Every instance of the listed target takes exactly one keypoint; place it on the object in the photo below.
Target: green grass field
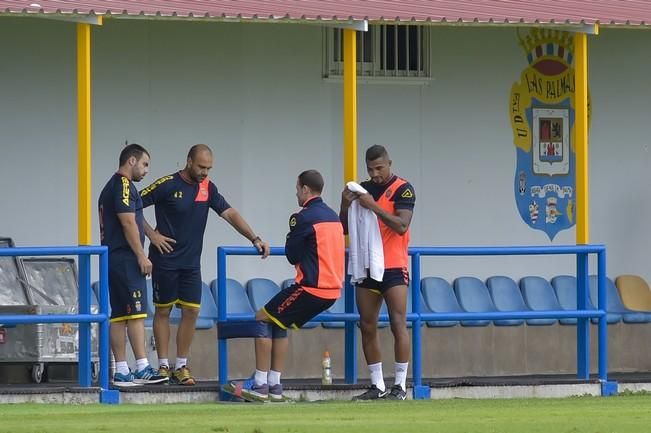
(572, 415)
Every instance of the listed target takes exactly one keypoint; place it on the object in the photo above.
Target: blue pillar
(420, 391)
(350, 335)
(222, 344)
(107, 396)
(583, 324)
(84, 328)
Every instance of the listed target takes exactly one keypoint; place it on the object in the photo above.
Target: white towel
(365, 250)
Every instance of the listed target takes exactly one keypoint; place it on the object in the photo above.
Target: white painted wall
(254, 92)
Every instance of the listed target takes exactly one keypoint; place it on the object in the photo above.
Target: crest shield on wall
(542, 118)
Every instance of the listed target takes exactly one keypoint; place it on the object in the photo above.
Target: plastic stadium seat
(260, 290)
(286, 283)
(236, 300)
(473, 296)
(565, 287)
(615, 303)
(423, 306)
(539, 296)
(439, 297)
(208, 310)
(507, 297)
(634, 292)
(338, 307)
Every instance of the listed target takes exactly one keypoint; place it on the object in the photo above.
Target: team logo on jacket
(542, 111)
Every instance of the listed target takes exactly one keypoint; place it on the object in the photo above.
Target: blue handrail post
(582, 324)
(419, 391)
(350, 335)
(222, 343)
(107, 396)
(607, 387)
(84, 328)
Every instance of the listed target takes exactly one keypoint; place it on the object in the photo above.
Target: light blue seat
(423, 306)
(237, 302)
(260, 291)
(565, 287)
(439, 297)
(149, 321)
(507, 297)
(289, 281)
(473, 296)
(615, 304)
(208, 310)
(539, 296)
(338, 307)
(286, 283)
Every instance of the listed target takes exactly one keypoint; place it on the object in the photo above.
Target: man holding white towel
(392, 200)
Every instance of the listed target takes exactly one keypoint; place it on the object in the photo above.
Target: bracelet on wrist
(255, 239)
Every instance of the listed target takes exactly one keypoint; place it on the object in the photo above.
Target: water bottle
(326, 375)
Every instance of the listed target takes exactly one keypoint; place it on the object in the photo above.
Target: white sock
(273, 378)
(122, 367)
(401, 374)
(260, 377)
(377, 378)
(163, 362)
(181, 362)
(141, 364)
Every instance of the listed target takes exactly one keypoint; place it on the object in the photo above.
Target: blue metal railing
(582, 314)
(83, 317)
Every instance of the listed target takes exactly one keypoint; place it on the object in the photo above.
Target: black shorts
(392, 277)
(176, 286)
(293, 307)
(127, 288)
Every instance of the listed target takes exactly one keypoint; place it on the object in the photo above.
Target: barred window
(392, 51)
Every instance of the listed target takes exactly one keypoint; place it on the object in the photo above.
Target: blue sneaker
(124, 380)
(149, 376)
(247, 390)
(276, 392)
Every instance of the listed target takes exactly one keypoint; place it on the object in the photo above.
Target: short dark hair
(376, 152)
(312, 179)
(196, 149)
(130, 150)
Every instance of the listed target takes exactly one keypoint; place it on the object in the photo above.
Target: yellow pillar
(581, 133)
(350, 105)
(83, 135)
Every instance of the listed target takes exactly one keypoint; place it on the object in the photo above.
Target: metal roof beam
(91, 19)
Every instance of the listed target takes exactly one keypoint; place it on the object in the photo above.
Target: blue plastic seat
(208, 310)
(423, 306)
(565, 287)
(237, 302)
(338, 307)
(539, 296)
(507, 297)
(261, 290)
(439, 297)
(473, 296)
(615, 304)
(286, 283)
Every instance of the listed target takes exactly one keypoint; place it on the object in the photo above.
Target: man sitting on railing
(315, 245)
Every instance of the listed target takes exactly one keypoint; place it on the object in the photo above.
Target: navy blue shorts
(293, 307)
(176, 286)
(127, 288)
(392, 277)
